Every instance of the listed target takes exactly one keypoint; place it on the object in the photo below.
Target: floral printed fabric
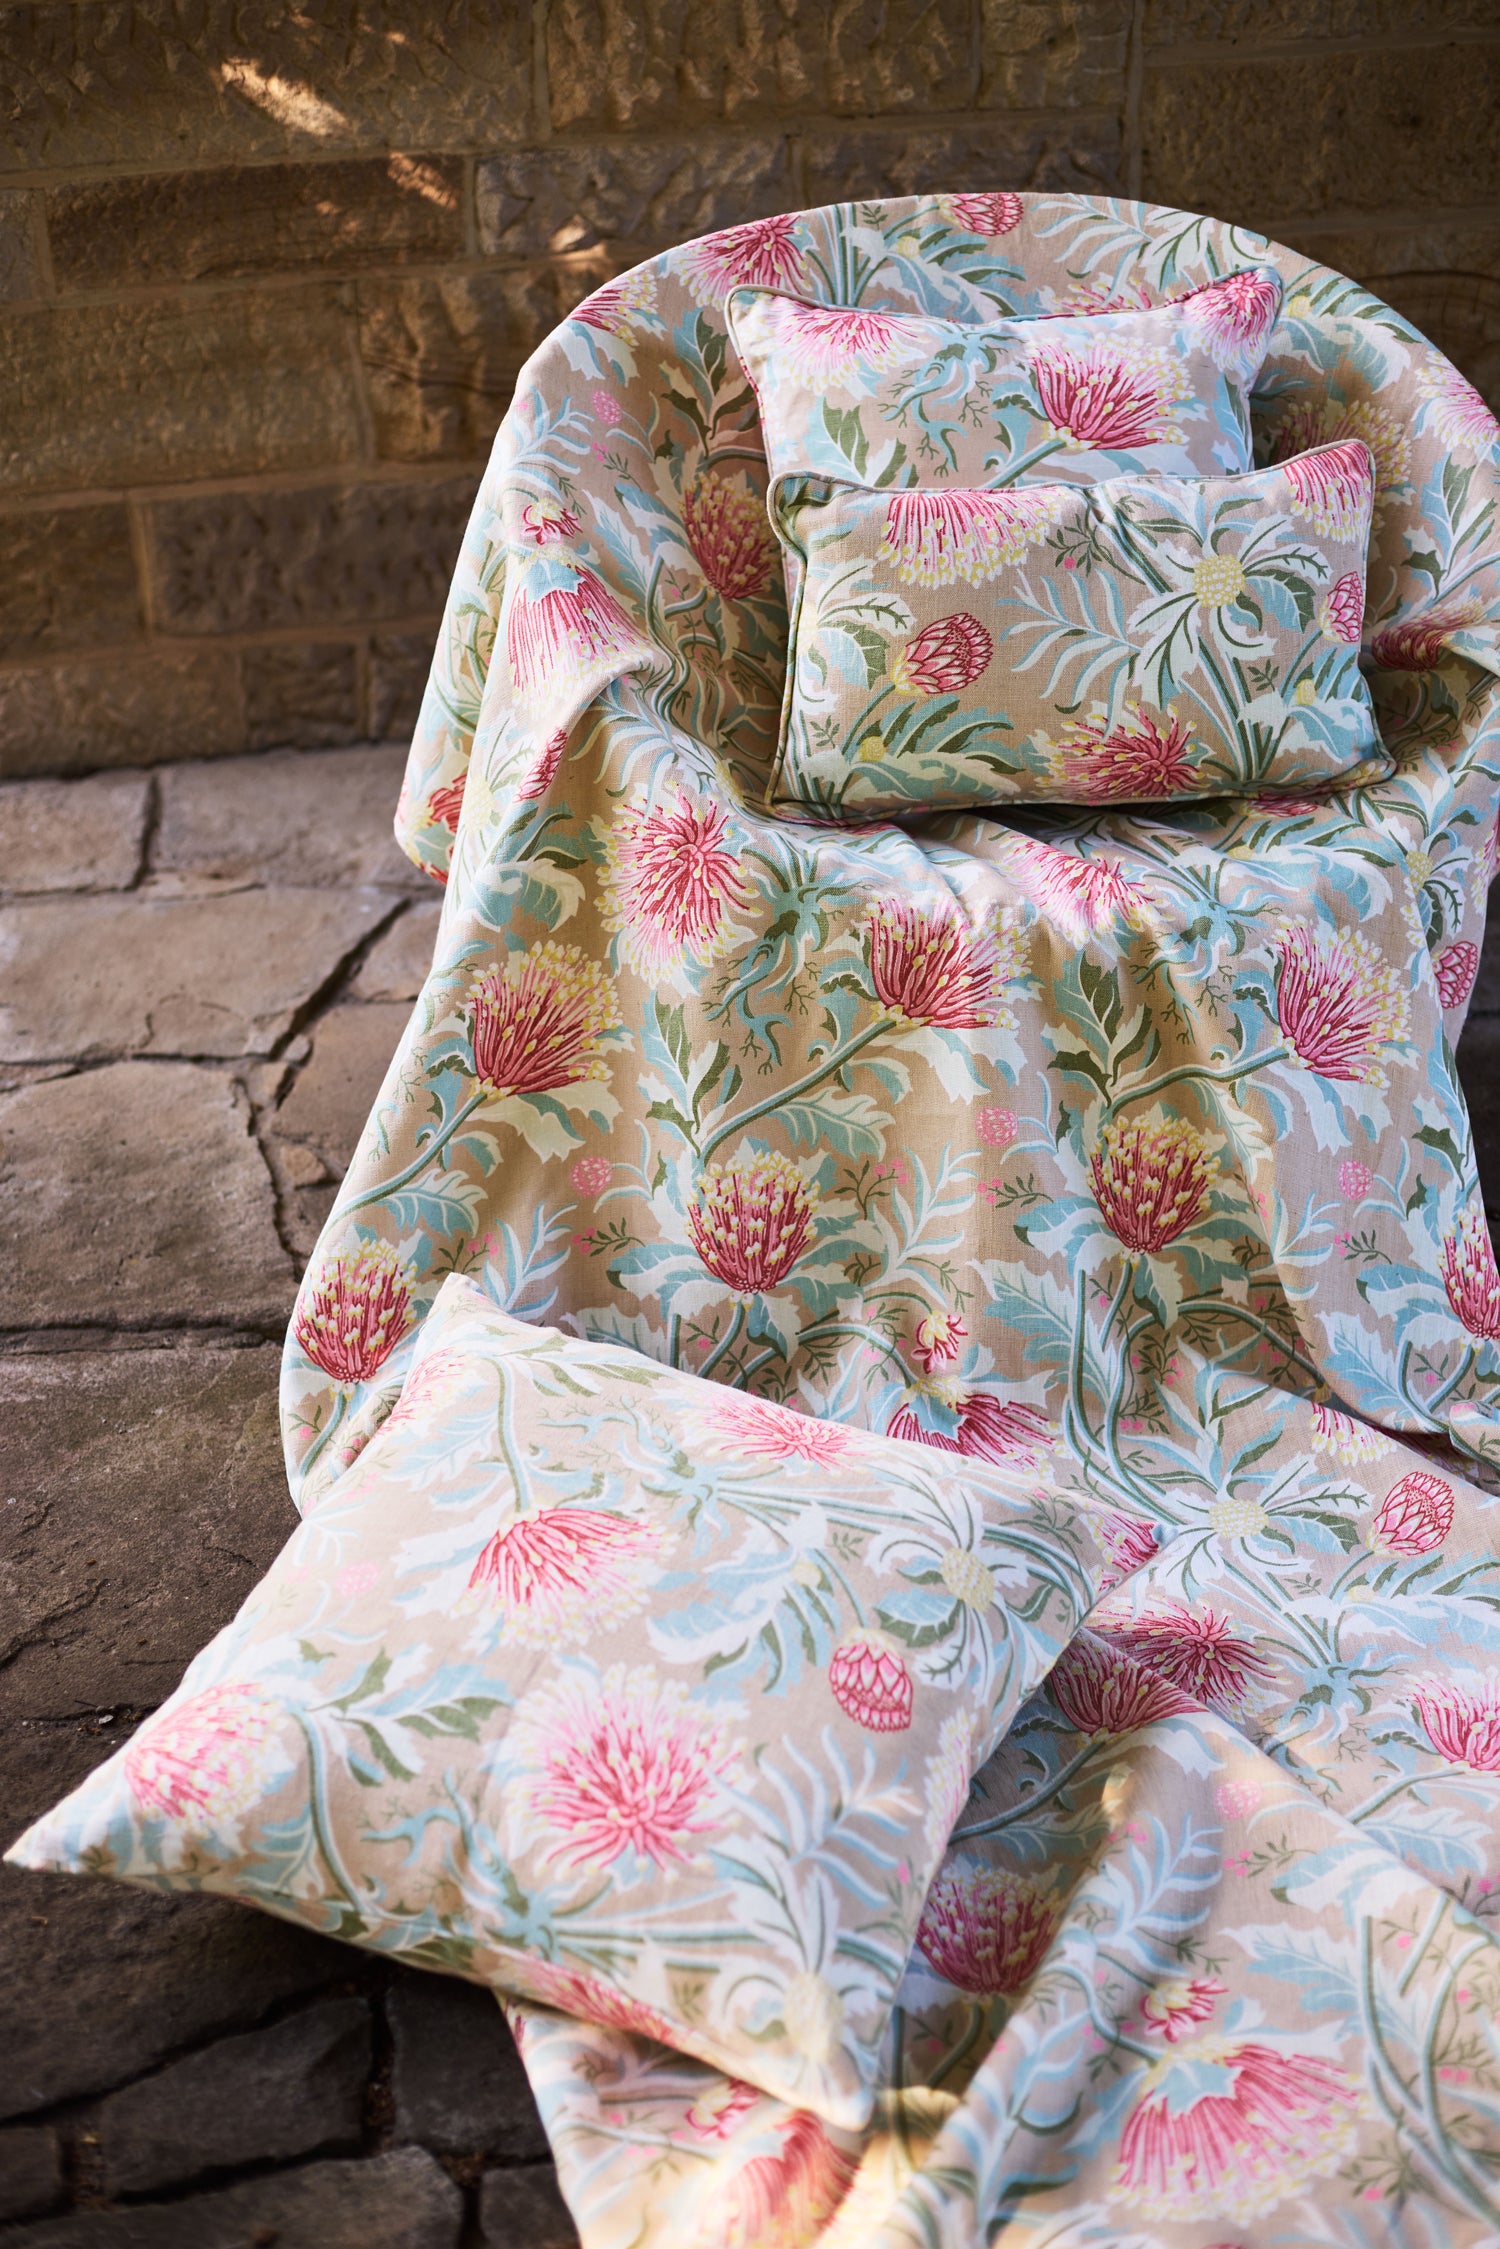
(604, 1684)
(1141, 1124)
(1147, 638)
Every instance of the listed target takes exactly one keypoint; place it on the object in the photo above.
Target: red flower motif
(996, 1127)
(933, 967)
(1197, 1651)
(752, 1220)
(1138, 756)
(1003, 1430)
(1344, 608)
(564, 629)
(1470, 1275)
(1171, 2010)
(544, 525)
(1335, 486)
(539, 1020)
(1416, 644)
(1415, 1515)
(1355, 1180)
(871, 1684)
(762, 254)
(1338, 1003)
(988, 215)
(936, 538)
(537, 779)
(445, 803)
(354, 1313)
(1456, 970)
(944, 657)
(592, 1174)
(1462, 1721)
(782, 2200)
(573, 1993)
(730, 533)
(552, 1569)
(780, 1432)
(938, 1340)
(1131, 1543)
(985, 1930)
(672, 879)
(1235, 317)
(1082, 895)
(1102, 1691)
(1187, 2155)
(210, 1757)
(1106, 398)
(1151, 1181)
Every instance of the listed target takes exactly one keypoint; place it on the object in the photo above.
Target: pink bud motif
(1456, 970)
(944, 657)
(1415, 1515)
(871, 1684)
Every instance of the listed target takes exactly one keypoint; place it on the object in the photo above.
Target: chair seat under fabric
(1197, 1202)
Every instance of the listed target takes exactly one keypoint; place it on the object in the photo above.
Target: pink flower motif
(1237, 1799)
(1415, 1515)
(562, 1570)
(730, 534)
(624, 1763)
(1083, 896)
(544, 525)
(1234, 317)
(672, 879)
(718, 2111)
(1335, 486)
(539, 775)
(1151, 1181)
(939, 1338)
(354, 1312)
(985, 1930)
(823, 347)
(1197, 1651)
(538, 1021)
(591, 1175)
(1338, 1003)
(1102, 1691)
(944, 657)
(1344, 608)
(1110, 397)
(615, 309)
(356, 1578)
(210, 1758)
(591, 2001)
(564, 630)
(988, 215)
(933, 967)
(871, 1684)
(1130, 1543)
(1456, 970)
(1416, 644)
(608, 408)
(996, 1127)
(1171, 2010)
(752, 1221)
(936, 538)
(1137, 756)
(1462, 1721)
(762, 254)
(1281, 2120)
(760, 1425)
(444, 805)
(1355, 1180)
(1003, 1430)
(782, 2200)
(1467, 1261)
(1455, 410)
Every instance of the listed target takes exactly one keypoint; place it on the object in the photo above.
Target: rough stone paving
(206, 970)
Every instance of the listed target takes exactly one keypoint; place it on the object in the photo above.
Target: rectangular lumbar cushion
(611, 1687)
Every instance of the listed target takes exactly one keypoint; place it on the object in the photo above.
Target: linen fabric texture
(608, 1686)
(1139, 638)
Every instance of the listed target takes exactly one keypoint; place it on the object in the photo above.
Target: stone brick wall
(267, 271)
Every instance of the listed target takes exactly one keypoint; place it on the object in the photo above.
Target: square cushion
(1144, 638)
(608, 1686)
(903, 399)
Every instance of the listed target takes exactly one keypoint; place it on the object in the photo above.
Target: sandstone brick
(333, 1092)
(172, 387)
(317, 555)
(441, 353)
(1259, 22)
(1053, 54)
(20, 267)
(1275, 137)
(302, 818)
(72, 835)
(30, 2170)
(456, 2079)
(146, 1496)
(399, 665)
(265, 2095)
(649, 194)
(251, 219)
(155, 86)
(160, 1215)
(89, 978)
(68, 581)
(302, 691)
(1081, 152)
(396, 966)
(524, 2209)
(128, 708)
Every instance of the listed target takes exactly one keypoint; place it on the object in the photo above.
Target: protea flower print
(1139, 755)
(1456, 411)
(730, 534)
(1151, 1181)
(826, 347)
(1415, 1515)
(996, 1128)
(939, 1338)
(1467, 1262)
(944, 657)
(1233, 318)
(1461, 1718)
(1335, 487)
(564, 630)
(760, 1425)
(782, 2200)
(1170, 2010)
(210, 1758)
(930, 965)
(752, 1220)
(445, 804)
(1456, 969)
(538, 1022)
(1130, 1542)
(1313, 423)
(1285, 2119)
(1082, 896)
(356, 1311)
(1343, 611)
(624, 1763)
(1416, 644)
(672, 880)
(871, 1684)
(572, 1992)
(988, 215)
(539, 775)
(1197, 1650)
(1102, 1691)
(1339, 1004)
(616, 308)
(1112, 398)
(985, 1930)
(762, 254)
(936, 538)
(562, 1571)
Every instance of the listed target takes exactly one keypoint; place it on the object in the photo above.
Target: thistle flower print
(752, 1220)
(356, 1310)
(730, 534)
(1112, 398)
(557, 634)
(871, 1684)
(1470, 1276)
(737, 1423)
(1417, 644)
(1346, 1439)
(445, 804)
(988, 215)
(1313, 423)
(762, 254)
(564, 1572)
(1339, 1004)
(629, 1765)
(1151, 1181)
(1455, 970)
(985, 1930)
(1233, 319)
(782, 2200)
(1081, 896)
(539, 775)
(1280, 2121)
(932, 967)
(1461, 1718)
(1130, 1542)
(936, 538)
(538, 1022)
(1335, 487)
(1414, 1517)
(616, 308)
(1170, 2010)
(1137, 755)
(672, 881)
(572, 1992)
(1342, 614)
(208, 1760)
(830, 347)
(944, 657)
(1454, 408)
(1198, 1650)
(1100, 1690)
(1005, 1431)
